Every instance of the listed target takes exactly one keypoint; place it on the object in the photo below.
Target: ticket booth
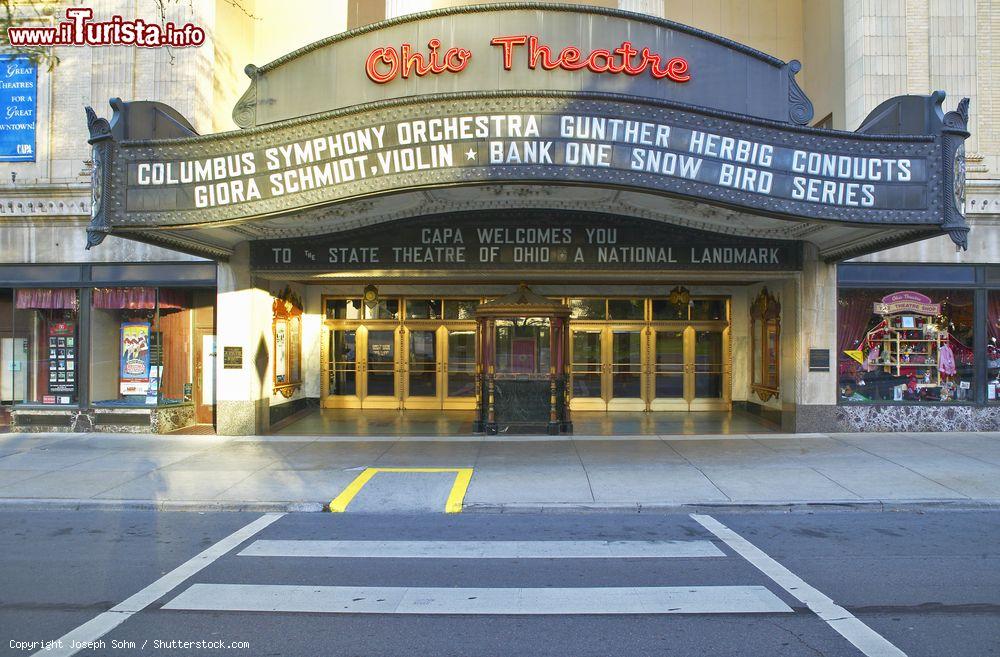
(522, 340)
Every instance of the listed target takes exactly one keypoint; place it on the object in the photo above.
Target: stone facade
(855, 53)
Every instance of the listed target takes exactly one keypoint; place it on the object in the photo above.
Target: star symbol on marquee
(470, 154)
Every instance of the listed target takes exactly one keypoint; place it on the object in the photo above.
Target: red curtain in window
(137, 298)
(993, 324)
(854, 311)
(46, 299)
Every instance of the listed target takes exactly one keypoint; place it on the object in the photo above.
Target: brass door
(343, 365)
(587, 368)
(382, 369)
(625, 371)
(669, 381)
(362, 366)
(710, 369)
(689, 367)
(421, 362)
(606, 368)
(458, 366)
(438, 367)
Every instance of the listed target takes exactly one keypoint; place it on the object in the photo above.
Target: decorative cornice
(43, 205)
(982, 197)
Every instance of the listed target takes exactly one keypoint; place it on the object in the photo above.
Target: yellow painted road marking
(455, 498)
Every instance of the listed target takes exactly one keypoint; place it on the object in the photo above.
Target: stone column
(243, 320)
(816, 392)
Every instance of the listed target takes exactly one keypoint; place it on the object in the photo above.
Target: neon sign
(385, 64)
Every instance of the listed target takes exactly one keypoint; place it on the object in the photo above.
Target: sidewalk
(510, 473)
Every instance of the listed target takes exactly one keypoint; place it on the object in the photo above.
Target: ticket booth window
(523, 341)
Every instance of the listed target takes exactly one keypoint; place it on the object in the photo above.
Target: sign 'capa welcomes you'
(526, 240)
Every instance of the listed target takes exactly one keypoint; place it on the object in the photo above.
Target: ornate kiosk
(523, 342)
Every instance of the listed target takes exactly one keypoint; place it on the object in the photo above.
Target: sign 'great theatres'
(550, 97)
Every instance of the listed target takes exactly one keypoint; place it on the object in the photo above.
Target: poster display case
(287, 343)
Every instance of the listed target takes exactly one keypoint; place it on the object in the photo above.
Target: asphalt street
(919, 584)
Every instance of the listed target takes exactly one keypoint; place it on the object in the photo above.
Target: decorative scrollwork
(800, 108)
(245, 111)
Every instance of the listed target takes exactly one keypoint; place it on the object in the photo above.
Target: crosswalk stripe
(864, 638)
(482, 549)
(478, 601)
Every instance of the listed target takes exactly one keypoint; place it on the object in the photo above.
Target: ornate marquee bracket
(955, 130)
(100, 184)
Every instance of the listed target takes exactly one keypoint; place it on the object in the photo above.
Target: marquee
(532, 95)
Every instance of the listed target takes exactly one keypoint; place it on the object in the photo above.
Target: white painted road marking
(864, 638)
(483, 549)
(478, 601)
(94, 629)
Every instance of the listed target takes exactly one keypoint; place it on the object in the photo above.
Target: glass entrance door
(690, 369)
(459, 376)
(710, 370)
(342, 368)
(420, 371)
(669, 380)
(625, 375)
(381, 370)
(587, 369)
(439, 369)
(606, 369)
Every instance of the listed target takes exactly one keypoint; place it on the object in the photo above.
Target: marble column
(816, 392)
(243, 321)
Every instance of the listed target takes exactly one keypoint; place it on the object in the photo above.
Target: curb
(801, 506)
(49, 504)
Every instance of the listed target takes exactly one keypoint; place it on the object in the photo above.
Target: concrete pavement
(509, 473)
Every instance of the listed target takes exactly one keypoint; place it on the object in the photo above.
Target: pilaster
(243, 387)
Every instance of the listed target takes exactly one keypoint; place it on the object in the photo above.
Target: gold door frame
(639, 403)
(409, 401)
(725, 402)
(681, 403)
(690, 401)
(589, 403)
(326, 364)
(385, 402)
(447, 401)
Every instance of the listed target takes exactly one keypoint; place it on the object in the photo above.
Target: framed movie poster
(134, 374)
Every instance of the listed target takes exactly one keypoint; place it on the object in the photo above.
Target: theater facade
(529, 214)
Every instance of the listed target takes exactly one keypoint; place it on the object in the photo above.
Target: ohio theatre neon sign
(385, 64)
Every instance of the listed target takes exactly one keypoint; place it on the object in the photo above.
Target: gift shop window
(140, 347)
(41, 348)
(907, 346)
